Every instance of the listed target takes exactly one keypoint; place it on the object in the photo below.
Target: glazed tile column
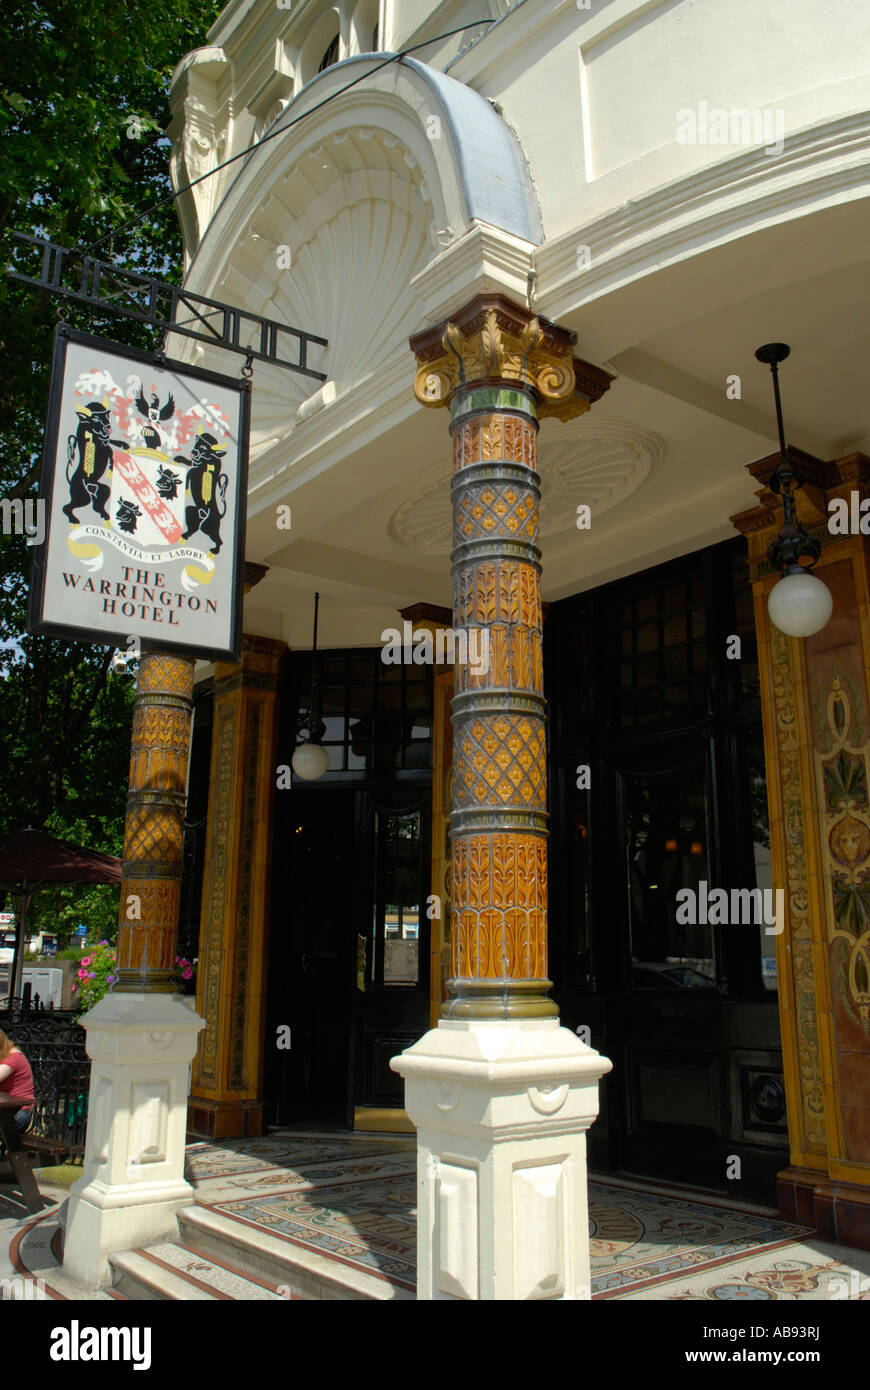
(141, 1036)
(501, 1095)
(226, 1098)
(498, 820)
(154, 825)
(816, 708)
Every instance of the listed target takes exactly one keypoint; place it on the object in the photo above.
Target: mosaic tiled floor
(353, 1200)
(286, 1154)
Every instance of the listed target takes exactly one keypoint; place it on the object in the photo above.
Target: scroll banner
(91, 555)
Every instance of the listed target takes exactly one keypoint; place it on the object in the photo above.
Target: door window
(378, 718)
(666, 828)
(394, 959)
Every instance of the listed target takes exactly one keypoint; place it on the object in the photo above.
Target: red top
(20, 1083)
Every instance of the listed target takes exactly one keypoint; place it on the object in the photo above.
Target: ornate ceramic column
(816, 708)
(141, 1036)
(154, 825)
(226, 1097)
(498, 1085)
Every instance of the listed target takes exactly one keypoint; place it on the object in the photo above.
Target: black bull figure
(89, 456)
(208, 490)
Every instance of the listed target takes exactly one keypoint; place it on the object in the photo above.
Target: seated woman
(16, 1079)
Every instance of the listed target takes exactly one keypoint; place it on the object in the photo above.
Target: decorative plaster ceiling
(598, 462)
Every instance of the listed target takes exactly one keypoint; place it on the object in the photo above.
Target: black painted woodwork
(333, 874)
(640, 689)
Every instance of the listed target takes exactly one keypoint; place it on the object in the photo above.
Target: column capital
(260, 665)
(493, 341)
(253, 574)
(429, 615)
(822, 481)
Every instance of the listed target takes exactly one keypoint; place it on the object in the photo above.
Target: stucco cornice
(484, 260)
(820, 166)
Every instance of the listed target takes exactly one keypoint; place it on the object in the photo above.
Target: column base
(100, 1221)
(224, 1119)
(498, 999)
(141, 1046)
(839, 1211)
(501, 1110)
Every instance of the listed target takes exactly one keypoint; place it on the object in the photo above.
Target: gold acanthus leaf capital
(492, 345)
(491, 352)
(452, 341)
(529, 340)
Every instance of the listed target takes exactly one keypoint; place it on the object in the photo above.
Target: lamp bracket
(792, 542)
(794, 475)
(773, 353)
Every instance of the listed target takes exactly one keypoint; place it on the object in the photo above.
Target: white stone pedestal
(141, 1046)
(501, 1110)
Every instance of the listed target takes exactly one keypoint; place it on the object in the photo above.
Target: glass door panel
(666, 843)
(395, 953)
(392, 1008)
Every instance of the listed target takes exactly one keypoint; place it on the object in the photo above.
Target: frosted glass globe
(310, 761)
(800, 604)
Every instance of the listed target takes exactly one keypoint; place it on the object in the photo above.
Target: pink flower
(82, 974)
(86, 960)
(187, 974)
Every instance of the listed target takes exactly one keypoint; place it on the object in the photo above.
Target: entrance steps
(216, 1257)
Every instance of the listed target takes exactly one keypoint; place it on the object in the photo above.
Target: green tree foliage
(83, 102)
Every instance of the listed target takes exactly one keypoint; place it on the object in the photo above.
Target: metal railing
(54, 1044)
(172, 308)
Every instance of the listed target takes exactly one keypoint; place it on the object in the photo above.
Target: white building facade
(592, 214)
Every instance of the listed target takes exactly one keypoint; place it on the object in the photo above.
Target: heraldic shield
(147, 497)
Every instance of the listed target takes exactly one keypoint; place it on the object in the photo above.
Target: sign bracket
(103, 285)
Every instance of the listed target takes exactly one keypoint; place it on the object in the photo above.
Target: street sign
(81, 930)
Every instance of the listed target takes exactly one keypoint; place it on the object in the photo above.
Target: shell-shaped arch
(327, 224)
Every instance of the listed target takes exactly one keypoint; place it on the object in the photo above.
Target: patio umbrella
(30, 860)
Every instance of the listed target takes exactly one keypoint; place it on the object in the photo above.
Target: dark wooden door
(644, 695)
(391, 968)
(666, 1018)
(313, 994)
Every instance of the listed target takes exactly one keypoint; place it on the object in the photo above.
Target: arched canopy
(327, 226)
(474, 160)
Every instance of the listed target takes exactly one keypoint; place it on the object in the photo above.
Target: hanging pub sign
(145, 486)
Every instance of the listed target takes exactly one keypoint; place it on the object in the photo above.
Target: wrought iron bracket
(793, 540)
(113, 289)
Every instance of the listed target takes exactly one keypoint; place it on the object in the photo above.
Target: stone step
(38, 1248)
(255, 1254)
(173, 1271)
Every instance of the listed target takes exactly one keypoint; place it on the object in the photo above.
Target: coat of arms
(145, 475)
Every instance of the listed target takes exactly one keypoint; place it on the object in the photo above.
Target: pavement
(313, 1215)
